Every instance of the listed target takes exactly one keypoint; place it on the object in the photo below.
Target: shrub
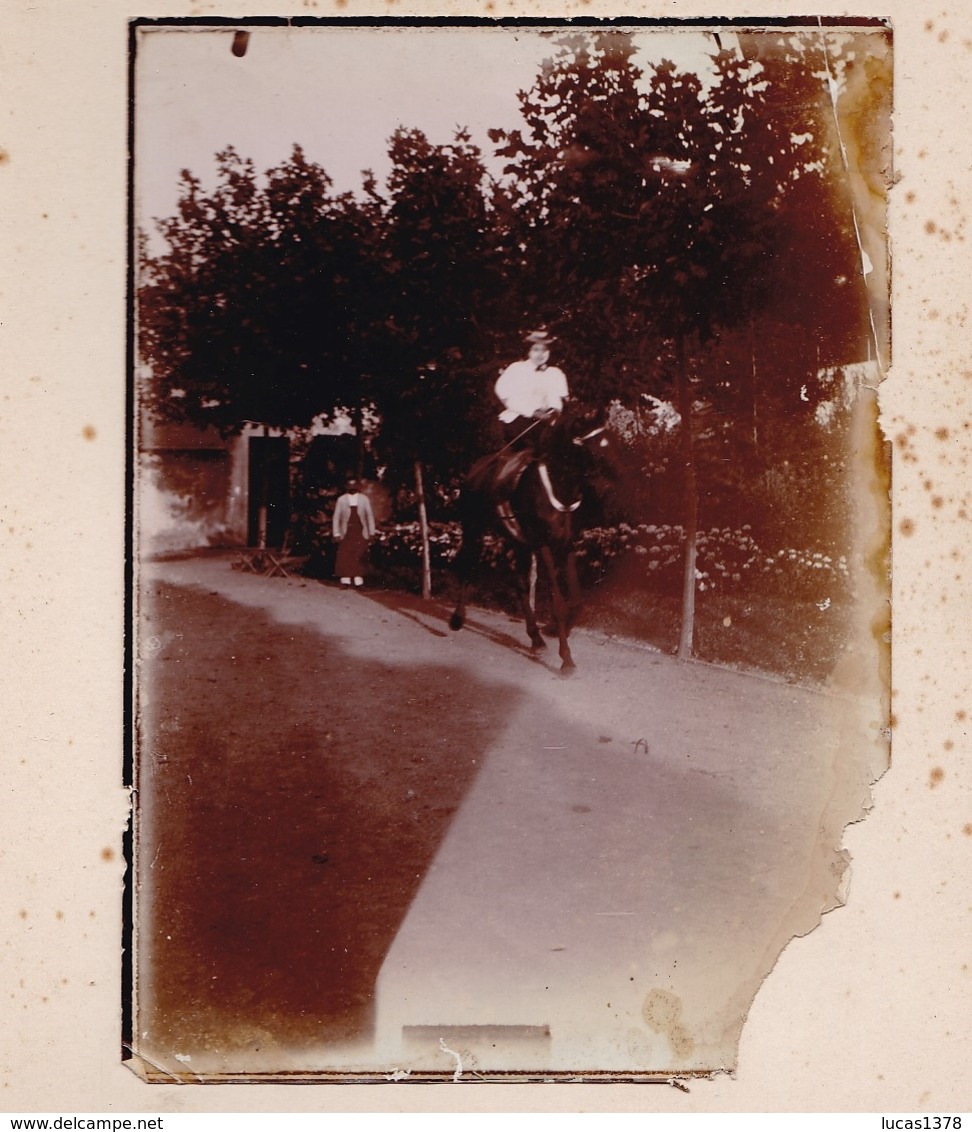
(728, 560)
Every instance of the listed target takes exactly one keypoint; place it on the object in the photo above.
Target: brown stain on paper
(662, 1010)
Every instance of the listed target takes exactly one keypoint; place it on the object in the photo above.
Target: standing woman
(353, 526)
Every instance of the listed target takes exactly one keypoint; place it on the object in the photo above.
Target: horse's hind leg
(524, 561)
(560, 610)
(458, 618)
(573, 590)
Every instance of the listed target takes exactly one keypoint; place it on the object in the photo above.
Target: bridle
(579, 440)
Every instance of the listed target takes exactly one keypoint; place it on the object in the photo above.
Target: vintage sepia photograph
(510, 620)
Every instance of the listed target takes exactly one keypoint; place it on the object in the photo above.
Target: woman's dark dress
(352, 549)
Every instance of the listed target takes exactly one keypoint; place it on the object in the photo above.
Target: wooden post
(533, 582)
(691, 503)
(424, 529)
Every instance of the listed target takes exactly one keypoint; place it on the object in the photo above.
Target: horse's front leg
(560, 610)
(524, 561)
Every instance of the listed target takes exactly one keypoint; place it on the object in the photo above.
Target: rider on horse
(533, 393)
(529, 491)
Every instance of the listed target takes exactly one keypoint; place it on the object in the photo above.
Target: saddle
(496, 476)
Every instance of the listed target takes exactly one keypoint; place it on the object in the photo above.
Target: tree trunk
(357, 423)
(424, 529)
(755, 384)
(691, 503)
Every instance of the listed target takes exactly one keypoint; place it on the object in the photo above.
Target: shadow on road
(428, 615)
(433, 617)
(291, 799)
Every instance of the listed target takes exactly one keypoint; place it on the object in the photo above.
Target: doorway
(268, 514)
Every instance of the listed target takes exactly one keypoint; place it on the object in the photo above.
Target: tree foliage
(441, 287)
(644, 214)
(259, 309)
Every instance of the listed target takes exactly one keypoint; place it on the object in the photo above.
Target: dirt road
(366, 842)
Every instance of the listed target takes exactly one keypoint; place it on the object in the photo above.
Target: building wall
(192, 486)
(190, 490)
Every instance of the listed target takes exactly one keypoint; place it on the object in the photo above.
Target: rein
(519, 435)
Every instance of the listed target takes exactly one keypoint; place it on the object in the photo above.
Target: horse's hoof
(537, 643)
(568, 668)
(456, 622)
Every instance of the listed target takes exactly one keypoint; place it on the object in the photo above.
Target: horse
(531, 497)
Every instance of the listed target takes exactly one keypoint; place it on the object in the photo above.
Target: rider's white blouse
(524, 389)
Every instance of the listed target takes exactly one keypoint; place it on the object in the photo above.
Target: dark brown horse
(531, 497)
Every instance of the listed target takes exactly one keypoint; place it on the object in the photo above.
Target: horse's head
(573, 435)
(562, 454)
(574, 451)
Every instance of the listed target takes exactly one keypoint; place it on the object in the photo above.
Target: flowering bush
(399, 547)
(400, 544)
(727, 560)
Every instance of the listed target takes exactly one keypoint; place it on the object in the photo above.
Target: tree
(647, 237)
(811, 313)
(259, 308)
(579, 183)
(658, 216)
(441, 286)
